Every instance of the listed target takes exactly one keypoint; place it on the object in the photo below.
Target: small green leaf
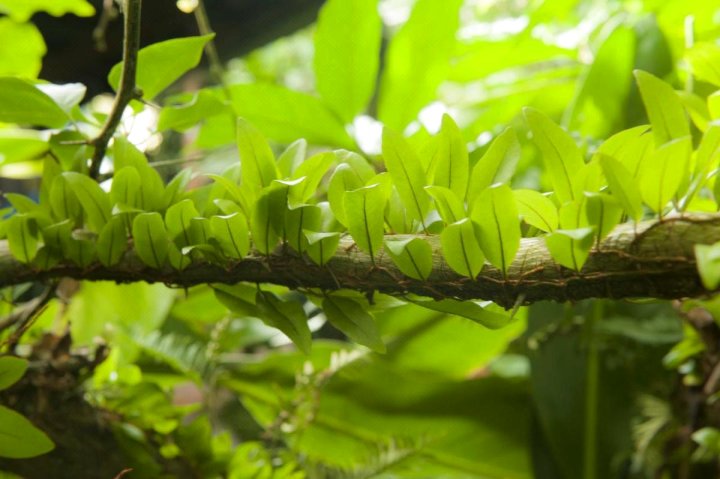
(264, 236)
(231, 232)
(313, 169)
(292, 157)
(560, 154)
(471, 310)
(622, 186)
(461, 249)
(11, 370)
(23, 103)
(413, 256)
(321, 246)
(126, 186)
(351, 318)
(366, 223)
(151, 239)
(570, 248)
(160, 64)
(496, 216)
(256, 159)
(664, 108)
(497, 165)
(177, 221)
(94, 201)
(404, 167)
(299, 219)
(112, 242)
(603, 213)
(448, 204)
(630, 147)
(22, 234)
(536, 209)
(205, 103)
(708, 263)
(661, 178)
(19, 439)
(287, 316)
(343, 179)
(346, 65)
(449, 165)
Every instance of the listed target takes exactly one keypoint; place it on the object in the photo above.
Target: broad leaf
(365, 224)
(570, 248)
(232, 233)
(497, 165)
(23, 103)
(21, 145)
(351, 318)
(22, 234)
(622, 186)
(536, 209)
(413, 256)
(22, 10)
(287, 316)
(306, 217)
(94, 201)
(321, 246)
(150, 239)
(448, 204)
(449, 165)
(346, 65)
(112, 242)
(264, 236)
(204, 104)
(704, 58)
(126, 187)
(313, 169)
(160, 64)
(25, 48)
(343, 179)
(256, 158)
(496, 216)
(603, 213)
(177, 221)
(661, 177)
(292, 157)
(471, 310)
(11, 370)
(19, 439)
(664, 109)
(461, 249)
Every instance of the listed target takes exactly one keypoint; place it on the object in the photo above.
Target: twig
(26, 314)
(126, 90)
(99, 34)
(216, 67)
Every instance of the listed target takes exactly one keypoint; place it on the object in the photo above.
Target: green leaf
(708, 263)
(366, 224)
(126, 154)
(19, 439)
(472, 310)
(321, 246)
(497, 165)
(67, 96)
(448, 204)
(282, 114)
(343, 179)
(232, 233)
(264, 236)
(256, 158)
(21, 49)
(496, 216)
(160, 64)
(603, 213)
(560, 154)
(287, 316)
(11, 370)
(346, 65)
(536, 209)
(176, 188)
(622, 186)
(417, 61)
(305, 217)
(22, 10)
(150, 239)
(94, 201)
(661, 177)
(177, 221)
(21, 145)
(461, 249)
(664, 108)
(407, 175)
(351, 318)
(112, 242)
(570, 248)
(22, 234)
(313, 169)
(449, 165)
(126, 186)
(413, 256)
(292, 157)
(704, 58)
(203, 104)
(630, 147)
(23, 103)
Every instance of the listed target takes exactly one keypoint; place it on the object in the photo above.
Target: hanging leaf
(177, 221)
(622, 186)
(448, 204)
(22, 234)
(150, 239)
(471, 310)
(404, 167)
(664, 108)
(351, 319)
(112, 242)
(346, 65)
(497, 165)
(19, 439)
(661, 178)
(536, 209)
(413, 256)
(449, 166)
(321, 246)
(94, 201)
(287, 316)
(365, 224)
(231, 232)
(256, 158)
(11, 370)
(560, 154)
(707, 258)
(496, 216)
(461, 249)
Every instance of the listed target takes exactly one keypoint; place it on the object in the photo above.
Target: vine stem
(592, 389)
(127, 89)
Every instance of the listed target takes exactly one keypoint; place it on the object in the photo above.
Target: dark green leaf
(708, 264)
(22, 234)
(351, 318)
(287, 316)
(19, 438)
(11, 370)
(471, 310)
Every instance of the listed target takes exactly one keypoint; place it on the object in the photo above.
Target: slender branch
(108, 14)
(653, 259)
(216, 66)
(126, 89)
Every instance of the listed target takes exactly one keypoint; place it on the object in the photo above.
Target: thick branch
(654, 259)
(126, 89)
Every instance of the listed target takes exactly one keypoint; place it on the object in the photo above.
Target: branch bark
(652, 259)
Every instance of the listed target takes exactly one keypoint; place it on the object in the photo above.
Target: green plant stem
(216, 67)
(592, 388)
(126, 89)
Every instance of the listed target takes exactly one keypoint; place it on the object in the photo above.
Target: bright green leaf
(125, 188)
(22, 234)
(321, 246)
(413, 256)
(661, 177)
(461, 249)
(536, 209)
(343, 179)
(570, 248)
(708, 264)
(94, 201)
(11, 370)
(496, 216)
(264, 236)
(449, 165)
(21, 48)
(232, 233)
(204, 104)
(23, 103)
(292, 157)
(704, 58)
(448, 204)
(497, 165)
(112, 242)
(22, 10)
(365, 224)
(471, 310)
(150, 239)
(305, 217)
(177, 221)
(664, 108)
(622, 186)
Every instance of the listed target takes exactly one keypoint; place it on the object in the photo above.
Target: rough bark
(652, 259)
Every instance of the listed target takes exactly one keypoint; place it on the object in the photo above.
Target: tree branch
(655, 259)
(126, 89)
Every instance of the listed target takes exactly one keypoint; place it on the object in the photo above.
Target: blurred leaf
(461, 249)
(313, 169)
(204, 104)
(708, 264)
(417, 61)
(496, 216)
(661, 177)
(94, 201)
(177, 221)
(346, 65)
(21, 48)
(112, 242)
(704, 58)
(22, 10)
(292, 157)
(19, 438)
(343, 179)
(160, 64)
(287, 316)
(23, 103)
(126, 187)
(664, 109)
(471, 310)
(351, 318)
(11, 370)
(67, 96)
(22, 234)
(256, 158)
(570, 248)
(21, 145)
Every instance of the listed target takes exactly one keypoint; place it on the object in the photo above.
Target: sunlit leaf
(704, 58)
(664, 108)
(448, 204)
(461, 249)
(708, 263)
(264, 236)
(661, 177)
(204, 104)
(570, 248)
(292, 157)
(449, 165)
(343, 179)
(21, 48)
(603, 213)
(497, 165)
(126, 187)
(413, 256)
(313, 169)
(496, 216)
(306, 217)
(22, 10)
(622, 186)
(536, 209)
(23, 103)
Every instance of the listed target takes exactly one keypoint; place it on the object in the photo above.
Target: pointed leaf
(313, 169)
(93, 199)
(351, 318)
(536, 209)
(297, 220)
(264, 236)
(19, 439)
(603, 213)
(321, 246)
(365, 224)
(23, 103)
(287, 316)
(661, 178)
(22, 234)
(622, 186)
(177, 221)
(450, 165)
(497, 165)
(448, 204)
(471, 310)
(11, 370)
(496, 216)
(461, 249)
(126, 186)
(413, 256)
(664, 108)
(570, 248)
(112, 242)
(232, 233)
(150, 239)
(343, 179)
(256, 158)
